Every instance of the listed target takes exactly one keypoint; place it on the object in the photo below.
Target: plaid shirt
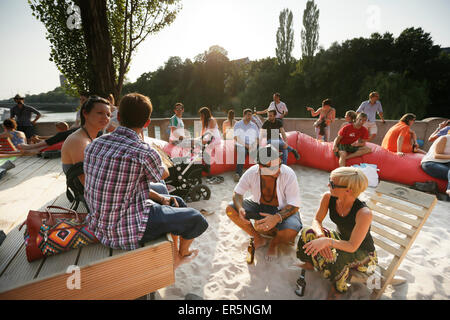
(118, 170)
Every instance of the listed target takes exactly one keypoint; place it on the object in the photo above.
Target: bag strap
(50, 215)
(278, 111)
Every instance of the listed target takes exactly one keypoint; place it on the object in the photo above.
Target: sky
(245, 28)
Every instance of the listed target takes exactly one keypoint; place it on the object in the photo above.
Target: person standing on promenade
(327, 115)
(371, 107)
(22, 114)
(277, 105)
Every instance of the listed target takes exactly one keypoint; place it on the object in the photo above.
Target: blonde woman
(333, 253)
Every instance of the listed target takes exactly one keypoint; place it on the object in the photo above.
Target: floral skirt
(336, 270)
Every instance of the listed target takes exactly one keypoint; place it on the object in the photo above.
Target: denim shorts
(252, 210)
(188, 223)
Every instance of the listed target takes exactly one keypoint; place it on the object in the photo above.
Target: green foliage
(285, 38)
(58, 95)
(67, 47)
(400, 94)
(410, 73)
(310, 33)
(129, 23)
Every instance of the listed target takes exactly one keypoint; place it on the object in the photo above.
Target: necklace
(84, 129)
(342, 208)
(262, 187)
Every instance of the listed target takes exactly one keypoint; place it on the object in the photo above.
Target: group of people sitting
(128, 202)
(247, 133)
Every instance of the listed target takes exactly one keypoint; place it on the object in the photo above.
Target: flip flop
(206, 213)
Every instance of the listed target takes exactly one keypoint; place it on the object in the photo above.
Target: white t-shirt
(287, 186)
(178, 132)
(280, 108)
(247, 133)
(430, 156)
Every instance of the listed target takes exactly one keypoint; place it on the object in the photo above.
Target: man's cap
(267, 154)
(18, 96)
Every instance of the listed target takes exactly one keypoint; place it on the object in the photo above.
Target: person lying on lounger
(17, 137)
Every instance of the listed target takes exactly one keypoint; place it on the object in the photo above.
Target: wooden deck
(35, 183)
(32, 184)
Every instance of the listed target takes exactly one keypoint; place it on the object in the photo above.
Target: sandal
(215, 180)
(206, 213)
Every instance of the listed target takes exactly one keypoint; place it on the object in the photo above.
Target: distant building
(240, 62)
(62, 80)
(446, 50)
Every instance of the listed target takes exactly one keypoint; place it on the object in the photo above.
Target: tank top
(431, 152)
(347, 224)
(15, 139)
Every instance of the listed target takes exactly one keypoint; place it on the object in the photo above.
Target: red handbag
(49, 233)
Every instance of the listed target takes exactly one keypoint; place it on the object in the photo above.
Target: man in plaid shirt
(124, 211)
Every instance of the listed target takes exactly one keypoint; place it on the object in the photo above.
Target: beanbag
(405, 170)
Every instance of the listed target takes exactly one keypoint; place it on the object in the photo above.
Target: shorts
(371, 126)
(28, 130)
(252, 210)
(188, 223)
(347, 148)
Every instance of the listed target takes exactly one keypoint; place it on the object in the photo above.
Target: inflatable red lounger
(405, 170)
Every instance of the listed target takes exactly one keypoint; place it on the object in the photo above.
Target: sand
(220, 271)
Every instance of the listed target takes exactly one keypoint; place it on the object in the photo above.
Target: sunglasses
(334, 186)
(268, 166)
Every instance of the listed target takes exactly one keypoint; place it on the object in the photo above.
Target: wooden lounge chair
(104, 273)
(398, 216)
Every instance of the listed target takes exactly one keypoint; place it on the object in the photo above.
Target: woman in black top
(351, 245)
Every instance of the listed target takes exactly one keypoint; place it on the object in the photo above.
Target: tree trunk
(98, 42)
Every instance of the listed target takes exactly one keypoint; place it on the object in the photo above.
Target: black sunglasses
(333, 186)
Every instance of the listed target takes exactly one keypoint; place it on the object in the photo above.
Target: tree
(310, 33)
(97, 57)
(285, 38)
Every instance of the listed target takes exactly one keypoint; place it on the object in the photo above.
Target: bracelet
(281, 218)
(331, 245)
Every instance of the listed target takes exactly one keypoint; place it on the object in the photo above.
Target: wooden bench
(104, 273)
(399, 214)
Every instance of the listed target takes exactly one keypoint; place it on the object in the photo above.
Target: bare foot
(305, 265)
(260, 242)
(272, 253)
(179, 259)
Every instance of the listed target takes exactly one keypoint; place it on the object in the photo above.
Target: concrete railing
(423, 128)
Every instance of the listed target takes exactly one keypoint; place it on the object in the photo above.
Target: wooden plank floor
(32, 184)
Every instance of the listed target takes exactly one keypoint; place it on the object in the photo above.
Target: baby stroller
(185, 176)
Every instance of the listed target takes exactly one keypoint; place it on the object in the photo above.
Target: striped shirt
(118, 170)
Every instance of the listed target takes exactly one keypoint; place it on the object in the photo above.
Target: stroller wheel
(194, 194)
(204, 191)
